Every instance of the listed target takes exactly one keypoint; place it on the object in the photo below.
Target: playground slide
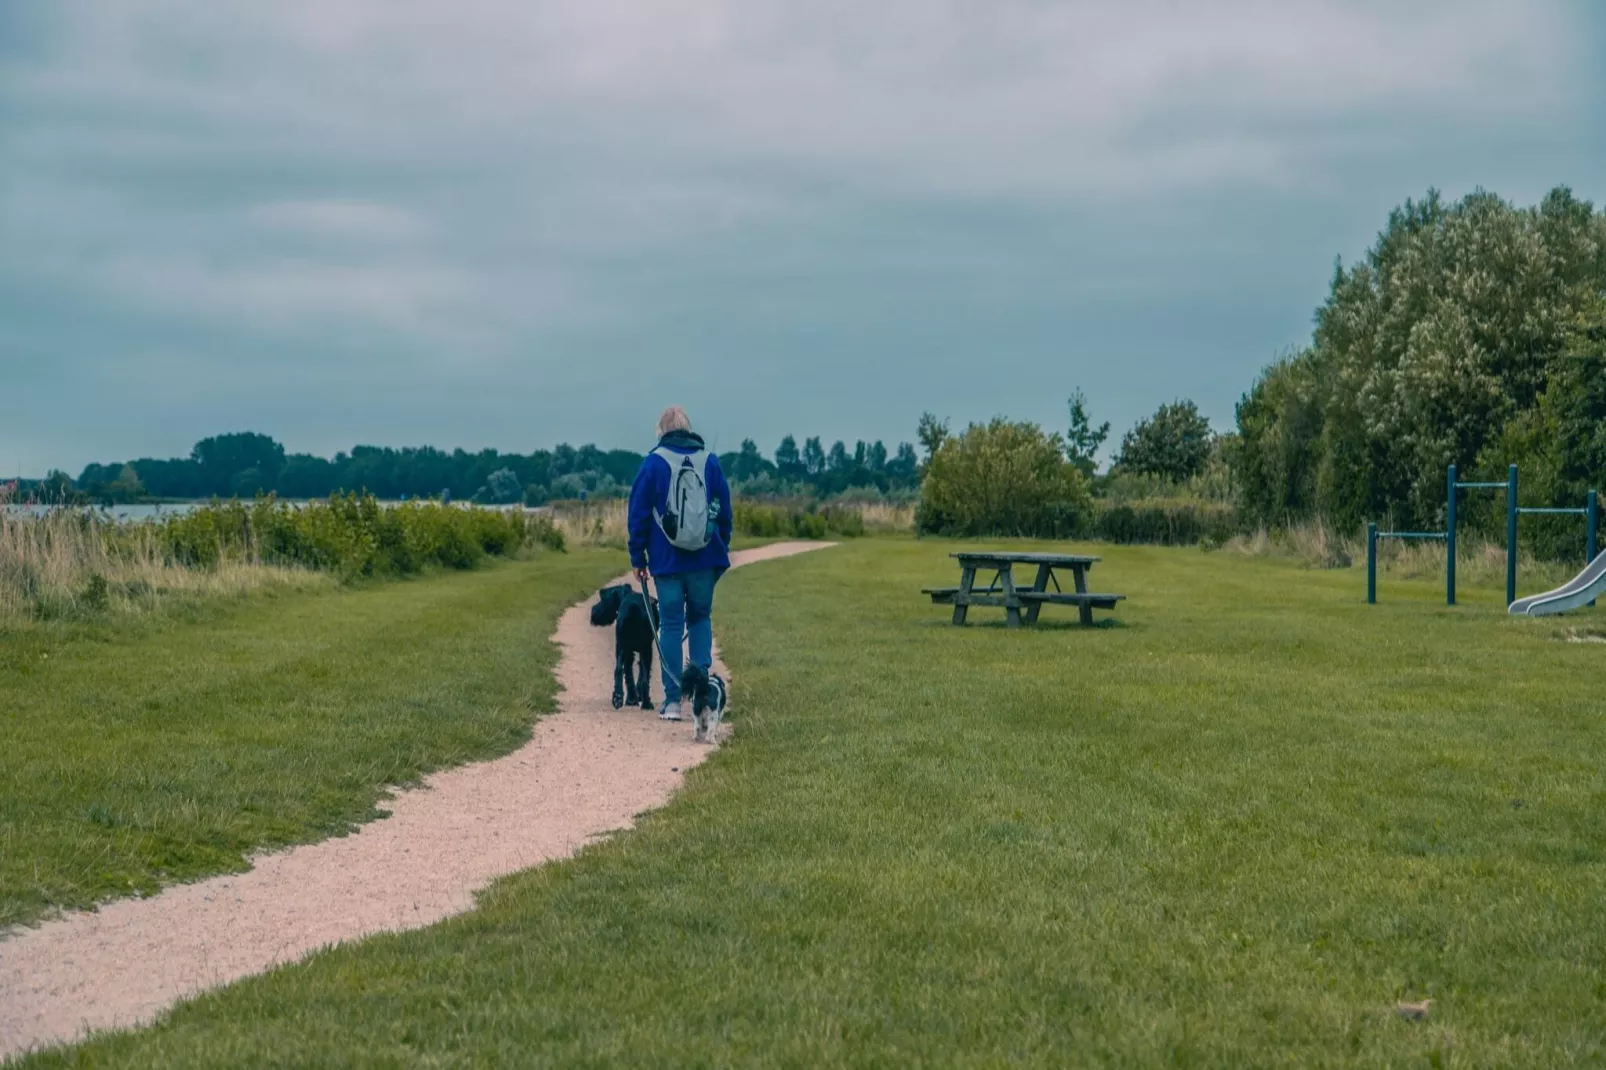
(1576, 593)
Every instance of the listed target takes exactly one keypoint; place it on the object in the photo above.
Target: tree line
(1471, 333)
(248, 464)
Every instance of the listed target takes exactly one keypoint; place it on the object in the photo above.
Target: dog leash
(657, 632)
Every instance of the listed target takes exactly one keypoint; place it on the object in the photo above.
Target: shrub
(1003, 478)
(352, 535)
(1165, 523)
(797, 520)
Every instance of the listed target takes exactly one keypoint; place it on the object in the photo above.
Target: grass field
(1232, 830)
(136, 753)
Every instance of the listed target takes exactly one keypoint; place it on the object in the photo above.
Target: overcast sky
(514, 222)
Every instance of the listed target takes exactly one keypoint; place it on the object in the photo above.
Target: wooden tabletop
(1028, 559)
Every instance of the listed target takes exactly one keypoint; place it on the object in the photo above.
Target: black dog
(706, 692)
(624, 608)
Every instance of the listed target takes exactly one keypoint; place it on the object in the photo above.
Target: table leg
(1081, 588)
(1011, 602)
(1040, 584)
(967, 578)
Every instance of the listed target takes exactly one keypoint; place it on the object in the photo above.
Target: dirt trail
(588, 770)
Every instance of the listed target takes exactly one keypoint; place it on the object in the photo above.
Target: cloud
(362, 220)
(505, 183)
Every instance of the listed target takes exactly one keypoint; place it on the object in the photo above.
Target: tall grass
(76, 563)
(883, 517)
(1478, 561)
(601, 523)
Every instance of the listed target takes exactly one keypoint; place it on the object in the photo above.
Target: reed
(601, 523)
(1478, 562)
(882, 518)
(70, 563)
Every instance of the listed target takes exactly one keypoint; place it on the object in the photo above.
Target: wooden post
(967, 577)
(1040, 584)
(1086, 608)
(1006, 579)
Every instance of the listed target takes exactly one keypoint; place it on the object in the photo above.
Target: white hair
(674, 418)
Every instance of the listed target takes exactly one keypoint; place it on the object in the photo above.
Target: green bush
(1164, 523)
(796, 520)
(1003, 478)
(352, 535)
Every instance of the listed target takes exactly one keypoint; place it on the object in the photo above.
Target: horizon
(361, 222)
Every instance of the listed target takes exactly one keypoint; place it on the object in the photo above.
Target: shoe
(670, 712)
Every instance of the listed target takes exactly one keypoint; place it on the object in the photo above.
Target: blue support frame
(1590, 511)
(1372, 535)
(1451, 485)
(1511, 534)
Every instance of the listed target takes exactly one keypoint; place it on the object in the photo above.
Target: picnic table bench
(1003, 591)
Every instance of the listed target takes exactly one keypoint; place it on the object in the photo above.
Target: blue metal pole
(1511, 534)
(1449, 538)
(1592, 533)
(1592, 529)
(1371, 564)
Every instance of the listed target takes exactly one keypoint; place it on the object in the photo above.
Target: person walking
(680, 531)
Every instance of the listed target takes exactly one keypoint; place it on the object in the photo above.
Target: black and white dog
(706, 692)
(623, 607)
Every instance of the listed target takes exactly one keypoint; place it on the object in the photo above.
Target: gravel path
(588, 770)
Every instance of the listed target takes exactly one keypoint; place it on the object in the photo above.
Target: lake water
(116, 512)
(158, 512)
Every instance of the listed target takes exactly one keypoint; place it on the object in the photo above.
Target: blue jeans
(685, 609)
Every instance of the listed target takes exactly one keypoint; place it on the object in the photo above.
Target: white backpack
(689, 518)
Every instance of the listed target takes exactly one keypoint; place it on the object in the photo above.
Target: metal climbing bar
(1590, 512)
(1372, 535)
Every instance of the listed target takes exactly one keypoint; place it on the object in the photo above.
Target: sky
(512, 223)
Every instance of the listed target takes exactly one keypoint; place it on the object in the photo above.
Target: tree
(56, 487)
(838, 460)
(905, 467)
(1173, 444)
(1279, 429)
(179, 477)
(222, 457)
(787, 460)
(877, 459)
(502, 486)
(564, 458)
(1560, 444)
(932, 433)
(1435, 348)
(746, 464)
(306, 476)
(813, 456)
(247, 484)
(126, 487)
(1003, 478)
(1083, 440)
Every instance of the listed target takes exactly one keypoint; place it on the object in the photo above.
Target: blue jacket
(649, 546)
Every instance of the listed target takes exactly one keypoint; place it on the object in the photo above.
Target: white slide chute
(1576, 593)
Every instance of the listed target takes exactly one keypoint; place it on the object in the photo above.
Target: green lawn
(136, 754)
(1231, 831)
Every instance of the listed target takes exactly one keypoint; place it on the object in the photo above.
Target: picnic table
(1004, 591)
